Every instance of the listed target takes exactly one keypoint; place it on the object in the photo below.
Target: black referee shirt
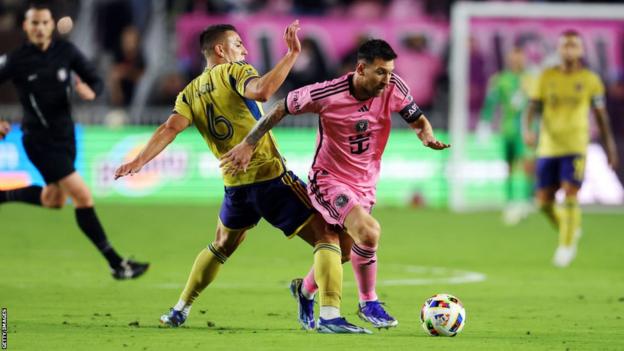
(44, 85)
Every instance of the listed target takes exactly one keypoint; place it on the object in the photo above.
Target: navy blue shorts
(551, 171)
(283, 202)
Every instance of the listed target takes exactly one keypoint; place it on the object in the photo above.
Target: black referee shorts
(53, 158)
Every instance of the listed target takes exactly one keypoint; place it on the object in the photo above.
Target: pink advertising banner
(335, 38)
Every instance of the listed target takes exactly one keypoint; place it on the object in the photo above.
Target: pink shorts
(334, 199)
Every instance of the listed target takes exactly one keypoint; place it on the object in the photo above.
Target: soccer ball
(443, 315)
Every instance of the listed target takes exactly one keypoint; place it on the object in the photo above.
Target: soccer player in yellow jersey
(223, 103)
(565, 94)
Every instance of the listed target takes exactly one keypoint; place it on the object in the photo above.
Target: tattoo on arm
(268, 121)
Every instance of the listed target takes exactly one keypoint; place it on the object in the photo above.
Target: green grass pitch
(60, 296)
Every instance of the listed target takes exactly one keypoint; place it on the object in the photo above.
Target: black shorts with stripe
(282, 201)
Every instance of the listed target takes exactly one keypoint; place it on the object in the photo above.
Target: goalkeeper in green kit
(508, 94)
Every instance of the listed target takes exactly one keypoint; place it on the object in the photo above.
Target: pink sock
(364, 262)
(309, 284)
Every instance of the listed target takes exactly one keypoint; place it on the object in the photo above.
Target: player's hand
(237, 158)
(529, 138)
(5, 128)
(431, 142)
(129, 168)
(291, 38)
(83, 90)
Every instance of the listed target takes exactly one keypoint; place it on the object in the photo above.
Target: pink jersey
(352, 133)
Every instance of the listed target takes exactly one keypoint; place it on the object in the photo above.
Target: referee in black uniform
(41, 72)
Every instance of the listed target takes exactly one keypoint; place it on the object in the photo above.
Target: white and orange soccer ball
(443, 315)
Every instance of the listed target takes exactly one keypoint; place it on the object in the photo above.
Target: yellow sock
(570, 221)
(328, 274)
(204, 271)
(553, 214)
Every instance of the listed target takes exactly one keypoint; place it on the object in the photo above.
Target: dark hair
(570, 33)
(39, 6)
(211, 34)
(375, 48)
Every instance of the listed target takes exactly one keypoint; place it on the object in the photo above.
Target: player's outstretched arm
(261, 89)
(163, 136)
(425, 134)
(602, 118)
(5, 128)
(239, 156)
(527, 122)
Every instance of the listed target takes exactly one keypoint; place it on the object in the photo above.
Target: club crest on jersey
(341, 200)
(361, 126)
(61, 74)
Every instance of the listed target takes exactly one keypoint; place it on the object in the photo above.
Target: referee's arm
(87, 73)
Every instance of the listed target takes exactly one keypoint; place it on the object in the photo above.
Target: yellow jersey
(566, 100)
(215, 103)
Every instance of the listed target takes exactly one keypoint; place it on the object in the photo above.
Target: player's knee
(369, 232)
(227, 241)
(225, 247)
(327, 237)
(55, 204)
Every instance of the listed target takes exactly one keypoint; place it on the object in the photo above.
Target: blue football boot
(305, 305)
(374, 313)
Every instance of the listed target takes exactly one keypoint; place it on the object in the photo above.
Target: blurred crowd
(124, 55)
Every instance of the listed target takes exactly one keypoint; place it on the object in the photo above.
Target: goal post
(465, 170)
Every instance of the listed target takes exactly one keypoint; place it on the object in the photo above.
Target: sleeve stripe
(328, 86)
(248, 80)
(399, 84)
(314, 95)
(330, 93)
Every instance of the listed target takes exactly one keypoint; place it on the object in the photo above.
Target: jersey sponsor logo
(295, 101)
(361, 126)
(359, 143)
(61, 74)
(341, 200)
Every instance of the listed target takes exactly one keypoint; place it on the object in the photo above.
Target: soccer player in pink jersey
(354, 123)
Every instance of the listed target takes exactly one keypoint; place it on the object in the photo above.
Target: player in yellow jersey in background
(565, 94)
(223, 103)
